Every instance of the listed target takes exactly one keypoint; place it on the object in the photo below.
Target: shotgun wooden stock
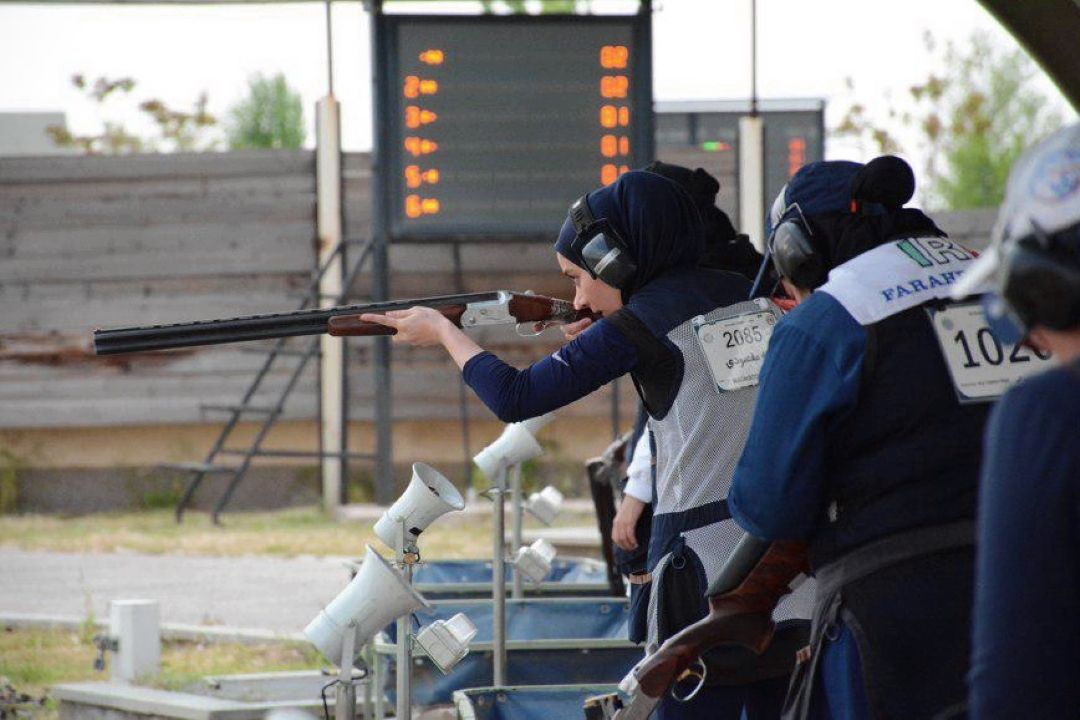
(738, 615)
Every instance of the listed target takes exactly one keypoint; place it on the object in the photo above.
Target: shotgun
(605, 474)
(741, 602)
(500, 307)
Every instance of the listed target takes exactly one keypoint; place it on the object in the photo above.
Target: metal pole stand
(498, 577)
(407, 556)
(345, 691)
(517, 504)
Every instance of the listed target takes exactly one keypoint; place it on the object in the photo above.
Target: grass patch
(35, 659)
(299, 531)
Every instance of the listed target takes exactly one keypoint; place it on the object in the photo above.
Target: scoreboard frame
(388, 194)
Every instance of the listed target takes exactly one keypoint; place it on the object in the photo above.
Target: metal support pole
(753, 59)
(406, 555)
(463, 390)
(378, 681)
(332, 360)
(345, 695)
(380, 287)
(752, 154)
(498, 584)
(370, 659)
(517, 507)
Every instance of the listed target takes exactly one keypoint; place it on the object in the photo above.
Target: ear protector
(1041, 283)
(604, 254)
(792, 252)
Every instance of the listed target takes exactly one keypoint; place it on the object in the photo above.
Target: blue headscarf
(656, 219)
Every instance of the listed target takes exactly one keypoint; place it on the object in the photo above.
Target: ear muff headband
(793, 253)
(1039, 287)
(604, 254)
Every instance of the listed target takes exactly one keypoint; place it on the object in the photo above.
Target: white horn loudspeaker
(373, 599)
(428, 496)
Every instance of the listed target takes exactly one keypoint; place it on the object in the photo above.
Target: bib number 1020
(981, 366)
(984, 347)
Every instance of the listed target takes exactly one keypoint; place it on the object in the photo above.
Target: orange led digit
(624, 169)
(608, 174)
(609, 116)
(412, 86)
(416, 206)
(432, 57)
(416, 116)
(624, 145)
(609, 146)
(796, 155)
(624, 116)
(415, 177)
(613, 56)
(420, 146)
(614, 86)
(429, 87)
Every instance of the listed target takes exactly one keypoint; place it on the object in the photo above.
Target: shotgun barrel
(256, 327)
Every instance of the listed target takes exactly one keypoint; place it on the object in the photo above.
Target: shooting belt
(858, 564)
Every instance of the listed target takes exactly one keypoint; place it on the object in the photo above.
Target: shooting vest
(896, 539)
(698, 434)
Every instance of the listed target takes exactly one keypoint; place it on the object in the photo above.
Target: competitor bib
(734, 345)
(981, 366)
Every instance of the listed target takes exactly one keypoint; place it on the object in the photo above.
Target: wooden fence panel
(91, 242)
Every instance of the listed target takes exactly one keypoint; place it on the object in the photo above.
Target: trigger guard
(697, 688)
(525, 329)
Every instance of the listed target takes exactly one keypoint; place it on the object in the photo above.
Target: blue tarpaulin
(536, 619)
(472, 578)
(550, 641)
(526, 703)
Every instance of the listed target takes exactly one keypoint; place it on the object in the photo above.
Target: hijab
(656, 220)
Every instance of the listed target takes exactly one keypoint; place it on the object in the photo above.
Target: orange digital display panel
(796, 155)
(489, 126)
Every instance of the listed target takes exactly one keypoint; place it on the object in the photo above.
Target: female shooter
(632, 250)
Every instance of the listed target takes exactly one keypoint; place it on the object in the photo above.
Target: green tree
(978, 118)
(177, 131)
(271, 116)
(972, 121)
(518, 7)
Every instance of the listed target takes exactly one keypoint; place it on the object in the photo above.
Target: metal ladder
(269, 413)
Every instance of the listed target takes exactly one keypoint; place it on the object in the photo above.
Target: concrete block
(135, 625)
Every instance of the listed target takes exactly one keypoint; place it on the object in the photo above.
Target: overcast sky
(701, 50)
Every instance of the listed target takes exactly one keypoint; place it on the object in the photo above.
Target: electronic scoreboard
(490, 126)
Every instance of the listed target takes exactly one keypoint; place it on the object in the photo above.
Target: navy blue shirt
(1026, 654)
(809, 379)
(589, 361)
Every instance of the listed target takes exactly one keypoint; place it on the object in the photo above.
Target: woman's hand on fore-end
(421, 326)
(572, 330)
